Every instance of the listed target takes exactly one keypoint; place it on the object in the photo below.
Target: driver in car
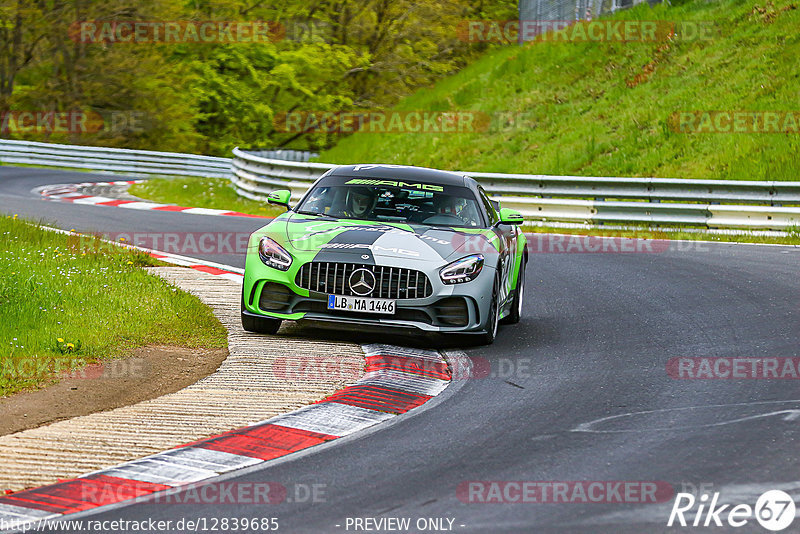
(360, 202)
(445, 205)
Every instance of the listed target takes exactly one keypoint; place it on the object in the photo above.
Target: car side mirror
(280, 197)
(509, 216)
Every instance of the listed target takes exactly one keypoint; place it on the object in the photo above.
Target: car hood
(347, 240)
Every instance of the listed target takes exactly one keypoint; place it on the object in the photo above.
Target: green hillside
(603, 108)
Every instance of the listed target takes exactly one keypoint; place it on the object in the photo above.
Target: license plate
(360, 304)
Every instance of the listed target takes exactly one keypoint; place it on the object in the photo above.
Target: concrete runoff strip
(243, 390)
(395, 380)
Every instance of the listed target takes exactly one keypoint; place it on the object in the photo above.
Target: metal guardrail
(285, 154)
(254, 176)
(118, 160)
(651, 201)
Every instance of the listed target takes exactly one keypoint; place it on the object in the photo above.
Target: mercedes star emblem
(362, 282)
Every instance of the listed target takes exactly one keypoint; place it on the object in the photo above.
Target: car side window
(490, 211)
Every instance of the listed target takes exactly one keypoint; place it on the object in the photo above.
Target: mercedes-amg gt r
(388, 246)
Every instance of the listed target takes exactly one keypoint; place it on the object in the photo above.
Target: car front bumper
(449, 308)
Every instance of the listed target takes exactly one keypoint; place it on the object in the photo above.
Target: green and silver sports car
(387, 246)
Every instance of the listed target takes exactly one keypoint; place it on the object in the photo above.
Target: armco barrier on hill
(594, 200)
(652, 201)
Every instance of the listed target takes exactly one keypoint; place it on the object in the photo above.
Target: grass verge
(606, 108)
(216, 193)
(64, 306)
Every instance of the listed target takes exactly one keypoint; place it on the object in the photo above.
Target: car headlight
(463, 270)
(274, 255)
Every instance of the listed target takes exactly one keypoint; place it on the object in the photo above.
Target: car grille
(390, 282)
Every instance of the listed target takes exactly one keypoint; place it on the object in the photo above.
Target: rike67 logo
(774, 510)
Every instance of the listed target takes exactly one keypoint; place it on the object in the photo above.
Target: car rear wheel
(259, 325)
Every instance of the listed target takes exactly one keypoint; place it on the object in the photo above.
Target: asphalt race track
(16, 197)
(563, 399)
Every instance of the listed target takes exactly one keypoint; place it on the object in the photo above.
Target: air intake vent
(452, 311)
(274, 297)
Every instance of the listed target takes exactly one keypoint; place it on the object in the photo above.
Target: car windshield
(426, 204)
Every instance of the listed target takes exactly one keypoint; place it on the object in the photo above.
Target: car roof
(403, 172)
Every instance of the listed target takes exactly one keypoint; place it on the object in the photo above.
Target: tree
(337, 55)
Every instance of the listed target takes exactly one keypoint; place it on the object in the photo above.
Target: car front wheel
(259, 325)
(493, 319)
(515, 314)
